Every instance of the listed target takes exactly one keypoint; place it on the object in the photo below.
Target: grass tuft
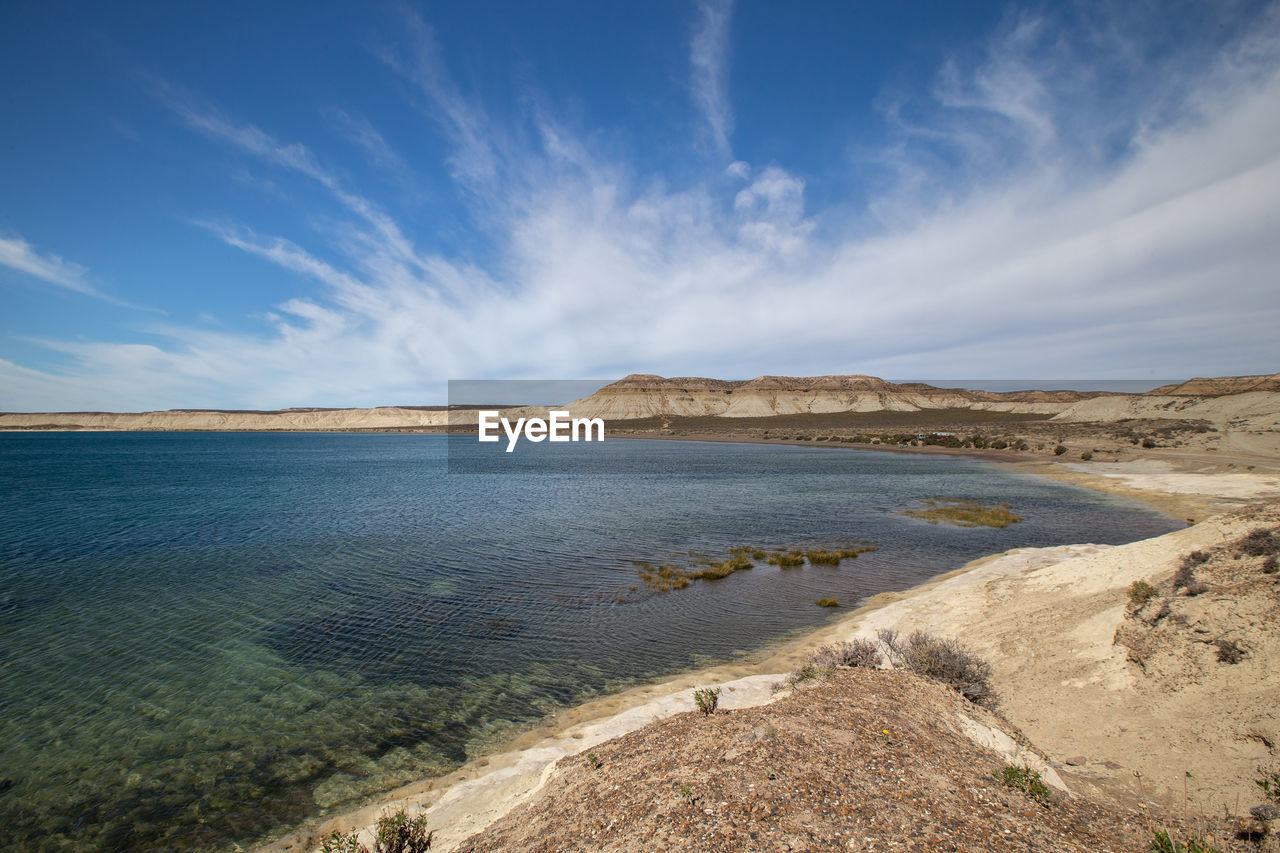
(964, 513)
(787, 559)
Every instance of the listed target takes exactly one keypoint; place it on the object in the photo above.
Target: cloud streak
(17, 254)
(708, 58)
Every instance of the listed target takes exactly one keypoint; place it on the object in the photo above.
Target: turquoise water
(209, 638)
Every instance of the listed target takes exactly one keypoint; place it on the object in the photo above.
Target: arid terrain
(1138, 680)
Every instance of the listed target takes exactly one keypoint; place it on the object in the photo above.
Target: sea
(207, 639)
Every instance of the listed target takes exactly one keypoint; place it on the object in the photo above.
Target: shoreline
(466, 800)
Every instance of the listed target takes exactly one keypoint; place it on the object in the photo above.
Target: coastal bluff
(1251, 401)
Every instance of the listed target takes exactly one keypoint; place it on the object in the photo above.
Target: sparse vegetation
(1087, 455)
(964, 513)
(1269, 784)
(342, 842)
(1161, 842)
(1023, 779)
(859, 652)
(943, 659)
(1185, 576)
(707, 699)
(1258, 543)
(723, 568)
(685, 790)
(593, 761)
(674, 575)
(807, 672)
(1140, 592)
(662, 578)
(1059, 450)
(399, 833)
(827, 602)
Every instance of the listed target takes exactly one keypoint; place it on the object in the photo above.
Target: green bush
(1023, 779)
(1059, 450)
(827, 602)
(399, 833)
(1140, 592)
(707, 699)
(1162, 843)
(342, 842)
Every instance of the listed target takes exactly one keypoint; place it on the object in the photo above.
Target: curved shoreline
(519, 767)
(468, 799)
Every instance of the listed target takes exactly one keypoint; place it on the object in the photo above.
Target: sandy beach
(1046, 620)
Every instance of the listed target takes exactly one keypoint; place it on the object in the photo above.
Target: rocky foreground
(868, 760)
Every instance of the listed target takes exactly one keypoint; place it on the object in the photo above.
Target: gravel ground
(868, 761)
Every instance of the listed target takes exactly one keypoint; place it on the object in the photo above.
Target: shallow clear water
(211, 637)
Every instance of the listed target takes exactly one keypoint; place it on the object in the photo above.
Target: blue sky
(291, 204)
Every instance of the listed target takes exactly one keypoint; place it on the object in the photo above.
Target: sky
(246, 205)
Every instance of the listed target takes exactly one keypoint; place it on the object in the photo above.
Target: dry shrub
(1186, 573)
(856, 653)
(946, 660)
(1140, 592)
(1259, 543)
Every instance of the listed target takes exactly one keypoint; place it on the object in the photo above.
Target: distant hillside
(646, 395)
(1252, 402)
(1221, 386)
(386, 418)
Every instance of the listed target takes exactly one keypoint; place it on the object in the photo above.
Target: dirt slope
(873, 760)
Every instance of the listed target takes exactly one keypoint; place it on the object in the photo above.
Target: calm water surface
(208, 638)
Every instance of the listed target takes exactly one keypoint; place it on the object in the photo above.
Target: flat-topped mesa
(1218, 387)
(645, 395)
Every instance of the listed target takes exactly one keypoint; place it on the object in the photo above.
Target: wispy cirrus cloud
(708, 58)
(17, 254)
